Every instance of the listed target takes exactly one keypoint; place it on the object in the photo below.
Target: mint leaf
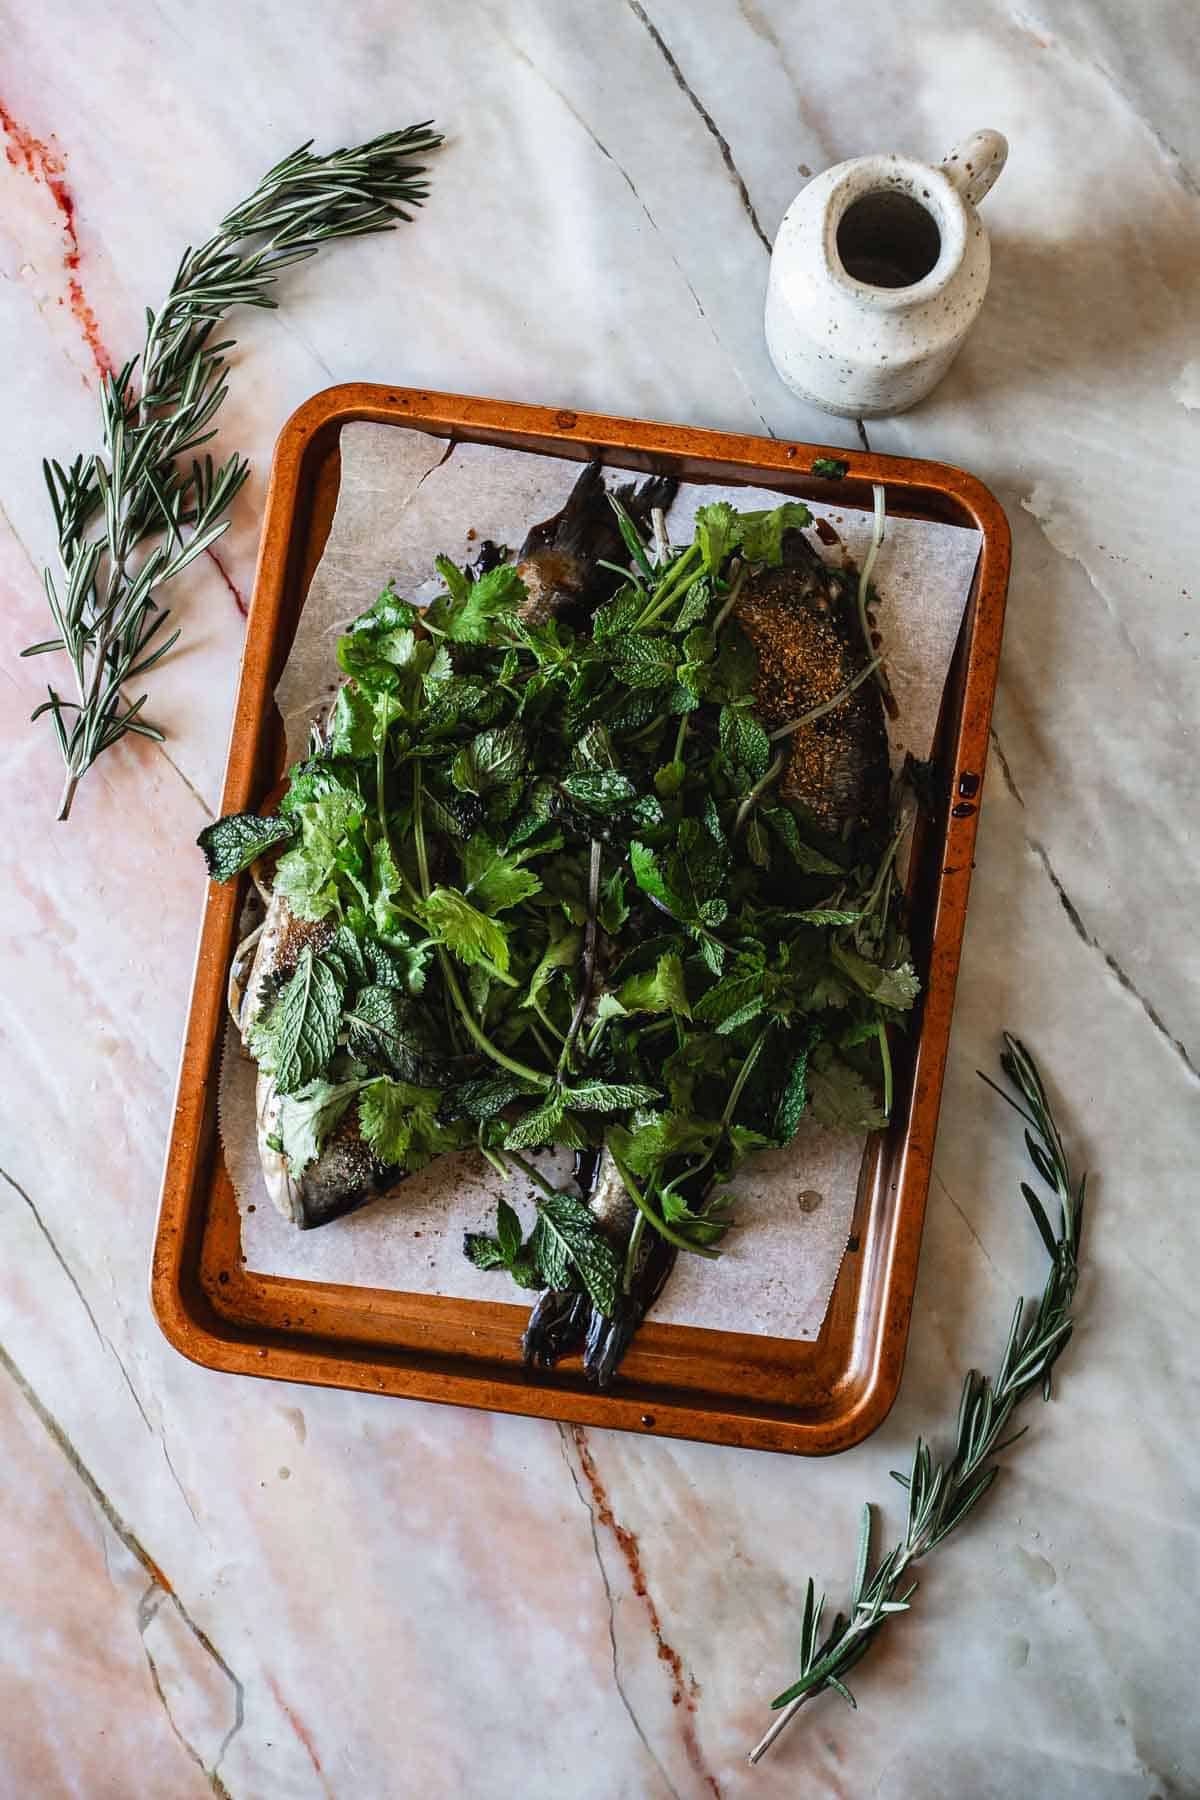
(485, 1098)
(307, 1117)
(661, 989)
(483, 1251)
(551, 1255)
(508, 1231)
(609, 1096)
(397, 965)
(297, 1039)
(641, 661)
(537, 1127)
(830, 468)
(600, 791)
(354, 724)
(809, 861)
(745, 742)
(737, 997)
(490, 761)
(231, 844)
(793, 1099)
(344, 954)
(568, 1224)
(386, 1029)
(696, 602)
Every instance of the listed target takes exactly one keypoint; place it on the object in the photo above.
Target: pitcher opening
(888, 240)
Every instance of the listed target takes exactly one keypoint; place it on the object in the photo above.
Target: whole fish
(802, 619)
(559, 563)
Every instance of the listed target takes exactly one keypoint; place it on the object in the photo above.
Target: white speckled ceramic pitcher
(879, 269)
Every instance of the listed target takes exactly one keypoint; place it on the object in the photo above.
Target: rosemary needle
(147, 483)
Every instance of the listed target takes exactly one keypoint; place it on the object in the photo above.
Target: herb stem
(666, 591)
(660, 1225)
(759, 788)
(826, 706)
(885, 1057)
(530, 1173)
(476, 1032)
(864, 579)
(587, 960)
(636, 1233)
(730, 600)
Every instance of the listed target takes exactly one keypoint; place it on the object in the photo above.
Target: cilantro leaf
(839, 1098)
(494, 880)
(231, 844)
(399, 1121)
(830, 468)
(762, 532)
(495, 595)
(718, 531)
(307, 874)
(307, 1117)
(661, 989)
(297, 1039)
(896, 987)
(470, 934)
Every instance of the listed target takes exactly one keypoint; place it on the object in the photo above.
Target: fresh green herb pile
(568, 906)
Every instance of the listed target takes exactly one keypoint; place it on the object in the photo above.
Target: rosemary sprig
(147, 483)
(941, 1494)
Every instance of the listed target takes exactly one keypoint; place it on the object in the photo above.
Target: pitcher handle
(973, 165)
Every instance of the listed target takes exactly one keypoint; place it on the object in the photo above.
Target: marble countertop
(275, 1593)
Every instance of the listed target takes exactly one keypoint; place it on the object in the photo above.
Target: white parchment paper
(405, 498)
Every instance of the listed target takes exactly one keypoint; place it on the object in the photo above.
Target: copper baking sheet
(757, 1392)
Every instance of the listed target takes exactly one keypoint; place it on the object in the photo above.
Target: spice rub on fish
(802, 620)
